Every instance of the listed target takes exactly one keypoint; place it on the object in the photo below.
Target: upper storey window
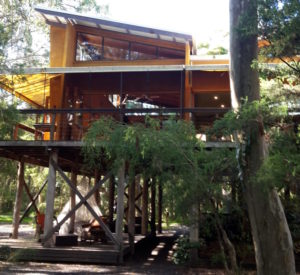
(96, 48)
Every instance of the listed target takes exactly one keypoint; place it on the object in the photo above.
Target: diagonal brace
(33, 201)
(83, 200)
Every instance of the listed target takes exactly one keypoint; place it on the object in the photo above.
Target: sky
(206, 20)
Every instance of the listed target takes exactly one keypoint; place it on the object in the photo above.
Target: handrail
(204, 110)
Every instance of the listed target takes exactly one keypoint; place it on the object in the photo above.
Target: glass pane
(164, 53)
(116, 49)
(142, 52)
(89, 47)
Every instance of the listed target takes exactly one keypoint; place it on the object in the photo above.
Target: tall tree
(271, 235)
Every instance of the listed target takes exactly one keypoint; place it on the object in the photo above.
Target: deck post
(18, 201)
(120, 210)
(159, 227)
(111, 201)
(50, 199)
(73, 200)
(145, 206)
(153, 214)
(131, 215)
(97, 193)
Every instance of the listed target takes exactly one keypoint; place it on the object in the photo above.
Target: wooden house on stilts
(103, 67)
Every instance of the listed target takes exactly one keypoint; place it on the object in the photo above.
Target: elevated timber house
(102, 67)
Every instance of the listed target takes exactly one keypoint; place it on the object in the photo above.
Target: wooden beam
(50, 199)
(120, 209)
(18, 201)
(131, 215)
(145, 207)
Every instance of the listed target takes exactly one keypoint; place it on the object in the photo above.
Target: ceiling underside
(32, 89)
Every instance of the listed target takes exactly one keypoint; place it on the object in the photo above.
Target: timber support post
(18, 201)
(145, 206)
(73, 200)
(120, 210)
(153, 212)
(111, 201)
(50, 199)
(159, 226)
(131, 215)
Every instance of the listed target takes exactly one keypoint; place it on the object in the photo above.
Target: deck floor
(28, 249)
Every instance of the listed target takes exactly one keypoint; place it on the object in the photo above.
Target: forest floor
(151, 257)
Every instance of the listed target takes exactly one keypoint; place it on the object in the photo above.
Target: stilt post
(131, 215)
(18, 201)
(50, 199)
(159, 227)
(111, 201)
(73, 199)
(145, 207)
(153, 214)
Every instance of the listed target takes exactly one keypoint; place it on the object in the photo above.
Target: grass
(7, 218)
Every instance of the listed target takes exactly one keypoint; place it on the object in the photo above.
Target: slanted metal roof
(61, 18)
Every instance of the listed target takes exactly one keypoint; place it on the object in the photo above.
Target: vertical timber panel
(120, 210)
(18, 201)
(50, 199)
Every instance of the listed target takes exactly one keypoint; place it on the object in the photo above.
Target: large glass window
(115, 49)
(142, 52)
(89, 47)
(95, 48)
(165, 53)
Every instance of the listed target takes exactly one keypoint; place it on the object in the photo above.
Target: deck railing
(71, 124)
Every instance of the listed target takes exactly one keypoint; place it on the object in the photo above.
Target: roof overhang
(61, 18)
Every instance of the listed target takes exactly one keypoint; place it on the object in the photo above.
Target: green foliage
(279, 24)
(218, 51)
(182, 252)
(8, 116)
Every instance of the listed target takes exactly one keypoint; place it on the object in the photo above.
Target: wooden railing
(71, 124)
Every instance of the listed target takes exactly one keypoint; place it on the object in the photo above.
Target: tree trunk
(271, 236)
(18, 201)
